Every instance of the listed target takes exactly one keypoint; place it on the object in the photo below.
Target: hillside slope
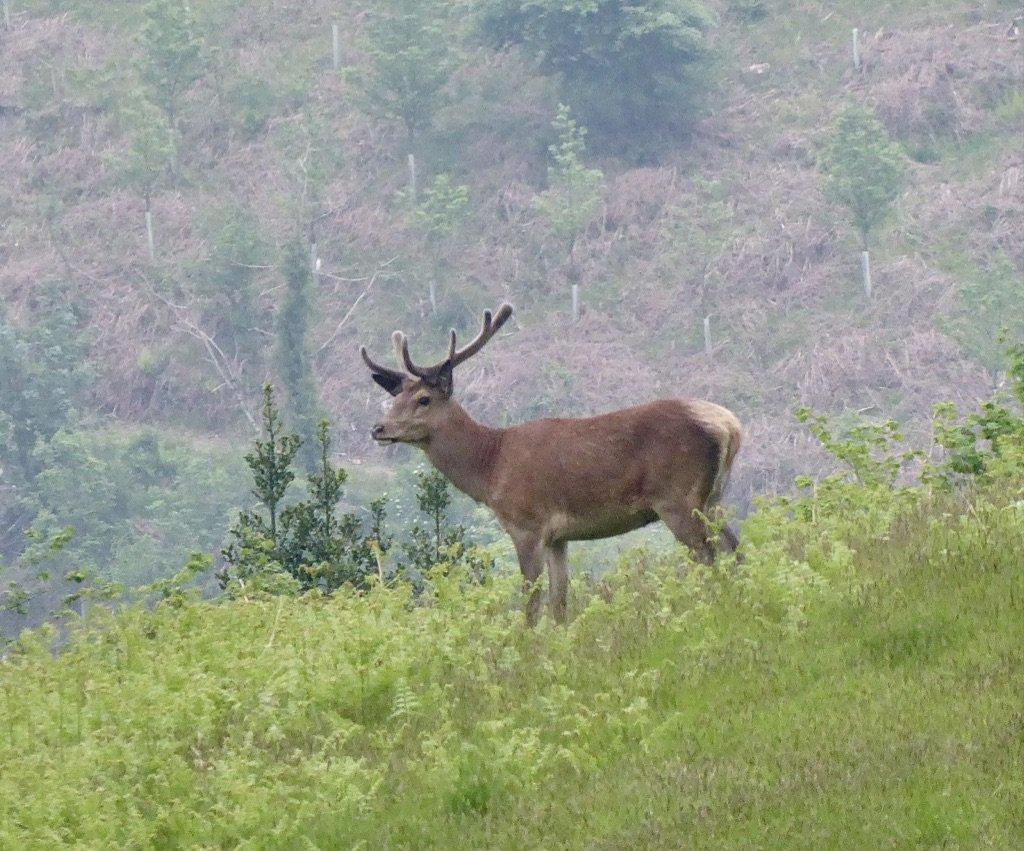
(732, 224)
(857, 682)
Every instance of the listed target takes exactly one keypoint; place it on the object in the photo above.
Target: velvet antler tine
(502, 316)
(376, 367)
(389, 379)
(491, 325)
(396, 343)
(419, 372)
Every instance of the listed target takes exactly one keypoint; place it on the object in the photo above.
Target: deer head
(423, 394)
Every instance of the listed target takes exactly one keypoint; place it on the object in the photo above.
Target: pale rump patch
(725, 427)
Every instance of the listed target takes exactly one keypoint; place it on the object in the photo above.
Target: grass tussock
(857, 682)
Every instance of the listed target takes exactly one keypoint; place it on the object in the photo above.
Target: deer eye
(423, 401)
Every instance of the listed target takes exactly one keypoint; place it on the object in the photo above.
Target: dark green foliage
(320, 546)
(310, 543)
(634, 74)
(748, 11)
(439, 542)
(137, 502)
(293, 358)
(988, 441)
(865, 168)
(43, 376)
(412, 54)
(173, 54)
(253, 102)
(271, 460)
(112, 509)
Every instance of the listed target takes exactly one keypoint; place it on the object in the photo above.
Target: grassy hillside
(857, 682)
(730, 222)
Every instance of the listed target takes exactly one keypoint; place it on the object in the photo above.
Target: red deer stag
(554, 481)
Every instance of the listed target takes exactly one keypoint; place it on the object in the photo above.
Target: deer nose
(377, 432)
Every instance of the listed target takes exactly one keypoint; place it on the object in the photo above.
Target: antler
(491, 327)
(377, 368)
(489, 330)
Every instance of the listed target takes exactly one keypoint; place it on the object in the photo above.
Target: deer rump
(581, 479)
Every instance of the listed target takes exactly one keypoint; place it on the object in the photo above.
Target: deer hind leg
(558, 578)
(531, 562)
(694, 531)
(690, 529)
(720, 535)
(730, 541)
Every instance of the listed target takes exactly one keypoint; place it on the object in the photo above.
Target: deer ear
(391, 383)
(443, 382)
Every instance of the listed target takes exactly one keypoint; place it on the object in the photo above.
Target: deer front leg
(531, 562)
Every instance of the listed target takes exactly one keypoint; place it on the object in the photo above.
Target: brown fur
(554, 481)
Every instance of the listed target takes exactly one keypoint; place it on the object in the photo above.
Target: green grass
(856, 683)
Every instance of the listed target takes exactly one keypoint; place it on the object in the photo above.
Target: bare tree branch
(355, 304)
(227, 369)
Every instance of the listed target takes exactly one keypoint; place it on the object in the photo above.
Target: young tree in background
(635, 73)
(147, 163)
(865, 172)
(321, 547)
(174, 55)
(437, 218)
(270, 461)
(412, 55)
(225, 277)
(293, 357)
(253, 555)
(573, 196)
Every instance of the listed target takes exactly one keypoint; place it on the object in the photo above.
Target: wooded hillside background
(267, 145)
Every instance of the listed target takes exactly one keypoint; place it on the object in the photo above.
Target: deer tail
(729, 437)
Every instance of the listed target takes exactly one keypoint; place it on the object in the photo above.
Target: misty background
(766, 204)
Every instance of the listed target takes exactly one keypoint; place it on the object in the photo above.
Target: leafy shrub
(988, 442)
(306, 544)
(440, 543)
(865, 169)
(573, 196)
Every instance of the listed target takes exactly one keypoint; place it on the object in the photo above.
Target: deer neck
(464, 451)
